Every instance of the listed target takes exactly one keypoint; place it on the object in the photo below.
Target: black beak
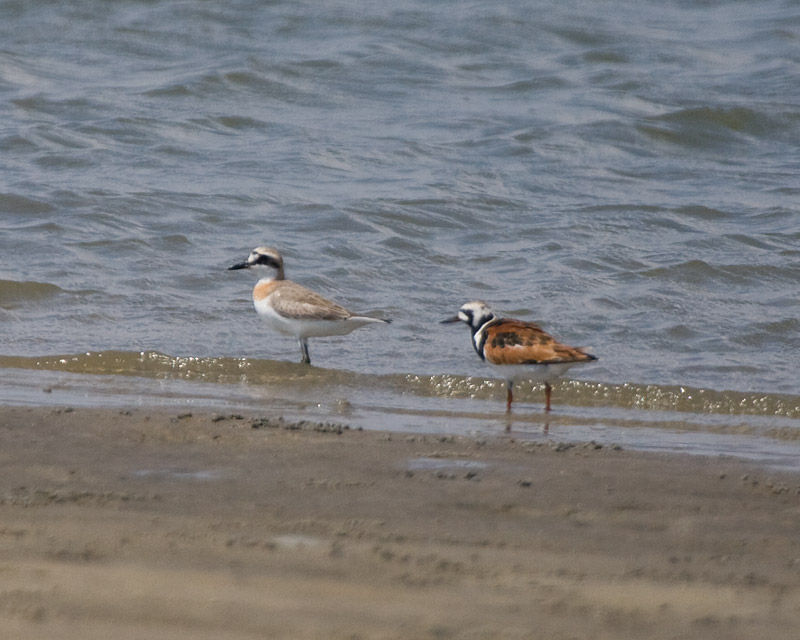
(450, 320)
(241, 265)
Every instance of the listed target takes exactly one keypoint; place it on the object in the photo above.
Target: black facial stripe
(266, 260)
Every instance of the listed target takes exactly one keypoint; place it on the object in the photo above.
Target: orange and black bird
(518, 350)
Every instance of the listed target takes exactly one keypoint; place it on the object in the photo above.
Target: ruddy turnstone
(291, 309)
(518, 350)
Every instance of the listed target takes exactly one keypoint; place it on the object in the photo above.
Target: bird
(292, 309)
(518, 350)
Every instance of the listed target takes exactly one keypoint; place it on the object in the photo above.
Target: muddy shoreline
(162, 524)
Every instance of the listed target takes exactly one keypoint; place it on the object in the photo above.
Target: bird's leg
(509, 395)
(547, 390)
(306, 359)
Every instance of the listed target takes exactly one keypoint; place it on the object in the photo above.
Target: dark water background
(625, 173)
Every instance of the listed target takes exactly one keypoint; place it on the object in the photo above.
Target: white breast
(534, 372)
(274, 321)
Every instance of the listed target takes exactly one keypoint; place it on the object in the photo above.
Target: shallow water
(624, 173)
(758, 427)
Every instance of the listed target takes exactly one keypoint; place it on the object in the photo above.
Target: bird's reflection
(508, 421)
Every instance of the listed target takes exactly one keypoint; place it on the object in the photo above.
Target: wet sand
(151, 524)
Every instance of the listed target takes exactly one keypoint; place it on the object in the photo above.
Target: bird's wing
(294, 301)
(516, 342)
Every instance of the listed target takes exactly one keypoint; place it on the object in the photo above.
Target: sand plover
(518, 350)
(291, 309)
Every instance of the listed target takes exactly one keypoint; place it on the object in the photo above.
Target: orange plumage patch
(517, 342)
(263, 289)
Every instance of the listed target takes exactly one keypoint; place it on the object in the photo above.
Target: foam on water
(761, 427)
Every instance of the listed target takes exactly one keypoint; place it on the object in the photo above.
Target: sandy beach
(156, 524)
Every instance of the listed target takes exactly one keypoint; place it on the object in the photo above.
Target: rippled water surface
(625, 173)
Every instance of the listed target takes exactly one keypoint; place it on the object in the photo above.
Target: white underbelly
(533, 372)
(303, 328)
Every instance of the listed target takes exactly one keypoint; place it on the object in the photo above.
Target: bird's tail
(367, 319)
